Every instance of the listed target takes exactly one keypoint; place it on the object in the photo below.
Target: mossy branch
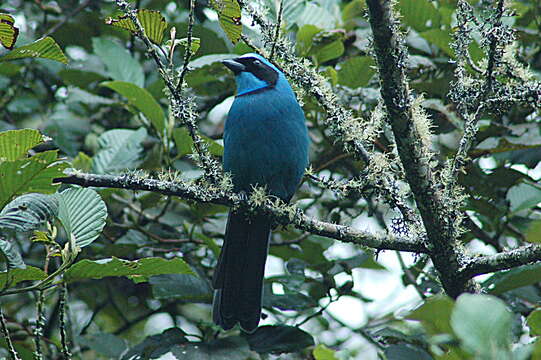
(182, 106)
(391, 58)
(280, 212)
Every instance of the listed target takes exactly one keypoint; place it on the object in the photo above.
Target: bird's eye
(257, 62)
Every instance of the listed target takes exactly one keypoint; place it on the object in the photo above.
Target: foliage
(137, 265)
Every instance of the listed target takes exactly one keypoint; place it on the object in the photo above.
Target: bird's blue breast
(266, 140)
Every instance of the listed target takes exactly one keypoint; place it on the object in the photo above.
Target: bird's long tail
(238, 279)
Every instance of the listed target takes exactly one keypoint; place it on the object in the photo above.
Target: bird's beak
(234, 66)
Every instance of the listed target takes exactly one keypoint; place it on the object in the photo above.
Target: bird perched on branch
(265, 144)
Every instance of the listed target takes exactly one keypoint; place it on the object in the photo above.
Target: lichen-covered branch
(470, 94)
(182, 106)
(412, 139)
(280, 212)
(506, 260)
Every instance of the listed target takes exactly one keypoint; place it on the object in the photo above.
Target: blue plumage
(265, 144)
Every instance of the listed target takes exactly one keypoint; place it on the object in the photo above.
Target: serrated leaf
(45, 48)
(15, 144)
(13, 277)
(142, 100)
(8, 32)
(82, 213)
(151, 20)
(121, 65)
(34, 174)
(318, 15)
(120, 149)
(229, 15)
(146, 267)
(28, 211)
(279, 339)
(12, 255)
(356, 71)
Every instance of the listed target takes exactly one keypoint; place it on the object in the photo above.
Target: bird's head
(253, 72)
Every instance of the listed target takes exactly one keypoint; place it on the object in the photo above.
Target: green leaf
(142, 100)
(229, 15)
(45, 48)
(504, 281)
(156, 345)
(305, 38)
(188, 287)
(229, 348)
(82, 213)
(435, 314)
(291, 300)
(121, 65)
(78, 95)
(28, 211)
(421, 15)
(120, 149)
(12, 255)
(8, 32)
(523, 196)
(317, 15)
(13, 277)
(406, 352)
(482, 323)
(439, 38)
(196, 43)
(146, 267)
(279, 339)
(34, 174)
(353, 10)
(329, 51)
(321, 352)
(14, 144)
(356, 71)
(105, 344)
(533, 234)
(151, 20)
(534, 322)
(184, 143)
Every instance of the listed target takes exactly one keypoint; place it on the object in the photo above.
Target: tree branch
(412, 138)
(281, 213)
(486, 264)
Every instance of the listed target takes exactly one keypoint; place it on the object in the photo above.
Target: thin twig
(40, 324)
(7, 338)
(68, 17)
(63, 323)
(188, 50)
(278, 25)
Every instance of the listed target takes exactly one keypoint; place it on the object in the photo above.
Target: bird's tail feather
(238, 279)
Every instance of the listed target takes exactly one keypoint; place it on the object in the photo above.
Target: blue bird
(265, 144)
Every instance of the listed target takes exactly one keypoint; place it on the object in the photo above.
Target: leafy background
(142, 288)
